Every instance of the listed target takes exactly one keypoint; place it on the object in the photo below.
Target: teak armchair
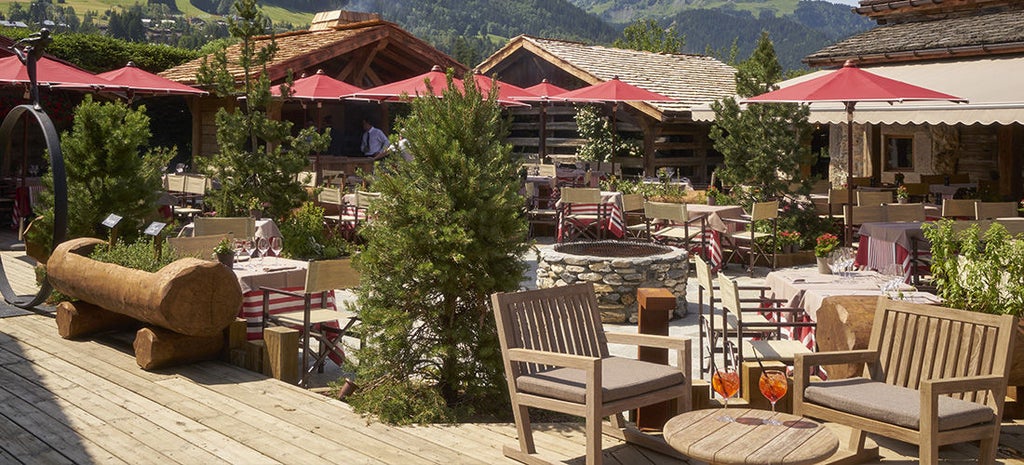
(556, 358)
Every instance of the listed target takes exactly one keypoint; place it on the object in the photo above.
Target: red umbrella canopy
(318, 87)
(134, 79)
(852, 84)
(48, 72)
(508, 94)
(546, 89)
(413, 87)
(613, 90)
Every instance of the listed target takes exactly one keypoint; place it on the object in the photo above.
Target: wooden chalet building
(972, 49)
(670, 136)
(357, 48)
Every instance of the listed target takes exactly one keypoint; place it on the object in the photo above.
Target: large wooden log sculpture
(189, 296)
(844, 323)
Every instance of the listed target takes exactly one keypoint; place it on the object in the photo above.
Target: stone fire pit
(617, 270)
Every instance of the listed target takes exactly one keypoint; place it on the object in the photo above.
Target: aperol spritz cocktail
(773, 384)
(726, 383)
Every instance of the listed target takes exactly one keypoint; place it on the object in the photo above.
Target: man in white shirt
(375, 143)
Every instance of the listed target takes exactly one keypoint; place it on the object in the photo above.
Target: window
(899, 153)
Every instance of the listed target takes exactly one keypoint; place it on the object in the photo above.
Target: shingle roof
(691, 79)
(305, 49)
(987, 28)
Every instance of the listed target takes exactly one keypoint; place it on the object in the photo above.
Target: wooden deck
(87, 402)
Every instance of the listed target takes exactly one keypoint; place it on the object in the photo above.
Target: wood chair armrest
(838, 357)
(648, 340)
(738, 220)
(554, 358)
(935, 387)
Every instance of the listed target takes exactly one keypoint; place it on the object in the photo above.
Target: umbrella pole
(316, 163)
(543, 143)
(848, 217)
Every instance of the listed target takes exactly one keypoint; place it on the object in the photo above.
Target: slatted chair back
(241, 227)
(764, 210)
(899, 212)
(632, 202)
(916, 189)
(838, 196)
(174, 183)
(306, 178)
(198, 246)
(671, 212)
(327, 275)
(1014, 227)
(195, 185)
(927, 342)
(873, 197)
(332, 177)
(958, 208)
(990, 210)
(365, 199)
(572, 195)
(563, 319)
(867, 214)
(330, 196)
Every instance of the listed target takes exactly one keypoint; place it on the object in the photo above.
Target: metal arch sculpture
(34, 46)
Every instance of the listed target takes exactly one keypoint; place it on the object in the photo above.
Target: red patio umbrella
(319, 88)
(613, 90)
(50, 72)
(544, 92)
(133, 80)
(437, 81)
(849, 85)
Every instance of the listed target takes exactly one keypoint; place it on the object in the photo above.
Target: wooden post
(280, 360)
(158, 347)
(752, 392)
(254, 351)
(235, 334)
(655, 309)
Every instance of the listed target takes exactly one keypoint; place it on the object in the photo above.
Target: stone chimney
(327, 20)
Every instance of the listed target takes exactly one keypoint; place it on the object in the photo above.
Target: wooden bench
(933, 376)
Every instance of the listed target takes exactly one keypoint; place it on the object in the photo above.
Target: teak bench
(933, 376)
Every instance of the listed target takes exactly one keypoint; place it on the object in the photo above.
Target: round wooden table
(701, 435)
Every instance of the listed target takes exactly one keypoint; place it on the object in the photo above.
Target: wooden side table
(701, 435)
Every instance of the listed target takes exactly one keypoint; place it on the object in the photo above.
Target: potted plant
(823, 246)
(225, 252)
(901, 194)
(712, 195)
(789, 241)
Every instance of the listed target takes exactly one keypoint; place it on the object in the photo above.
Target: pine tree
(765, 144)
(258, 159)
(447, 232)
(645, 34)
(106, 173)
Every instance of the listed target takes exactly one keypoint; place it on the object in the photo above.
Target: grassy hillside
(624, 11)
(277, 14)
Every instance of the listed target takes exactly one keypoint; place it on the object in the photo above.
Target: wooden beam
(1010, 158)
(367, 59)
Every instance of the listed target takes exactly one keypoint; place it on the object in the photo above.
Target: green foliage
(447, 232)
(602, 144)
(825, 244)
(645, 34)
(138, 255)
(764, 145)
(106, 172)
(800, 216)
(99, 53)
(258, 157)
(974, 271)
(305, 237)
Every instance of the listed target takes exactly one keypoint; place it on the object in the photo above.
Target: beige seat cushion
(893, 404)
(621, 378)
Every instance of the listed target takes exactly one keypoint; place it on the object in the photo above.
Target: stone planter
(617, 269)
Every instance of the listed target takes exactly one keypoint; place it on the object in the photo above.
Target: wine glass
(263, 245)
(276, 245)
(894, 277)
(247, 248)
(726, 382)
(773, 384)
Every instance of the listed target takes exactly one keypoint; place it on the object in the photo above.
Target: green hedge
(99, 53)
